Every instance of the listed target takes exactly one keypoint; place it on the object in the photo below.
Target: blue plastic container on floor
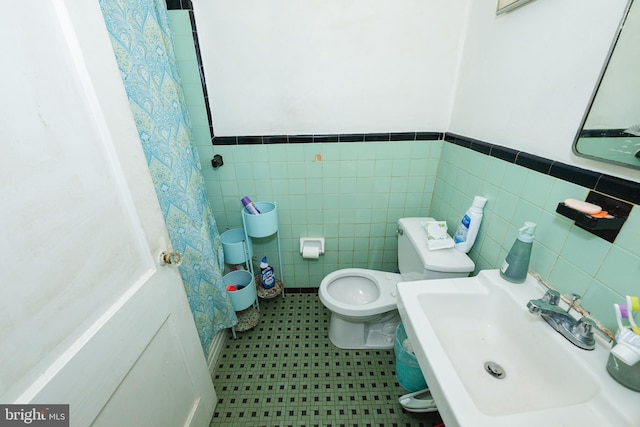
(408, 370)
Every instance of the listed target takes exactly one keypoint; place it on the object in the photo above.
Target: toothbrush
(633, 305)
(621, 312)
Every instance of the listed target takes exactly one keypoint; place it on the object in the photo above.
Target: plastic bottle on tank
(467, 230)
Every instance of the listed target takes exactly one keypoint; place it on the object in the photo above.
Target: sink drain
(495, 370)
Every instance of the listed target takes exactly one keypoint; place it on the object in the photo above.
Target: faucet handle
(584, 326)
(583, 333)
(551, 296)
(574, 298)
(587, 322)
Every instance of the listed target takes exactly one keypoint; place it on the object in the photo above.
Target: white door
(88, 317)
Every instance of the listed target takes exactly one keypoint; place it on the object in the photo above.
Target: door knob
(173, 258)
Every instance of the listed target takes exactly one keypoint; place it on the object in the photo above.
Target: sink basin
(489, 362)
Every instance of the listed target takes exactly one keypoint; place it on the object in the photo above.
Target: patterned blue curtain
(143, 47)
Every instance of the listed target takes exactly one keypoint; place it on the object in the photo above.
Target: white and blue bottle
(467, 230)
(266, 274)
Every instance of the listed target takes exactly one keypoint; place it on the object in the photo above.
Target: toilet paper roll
(310, 252)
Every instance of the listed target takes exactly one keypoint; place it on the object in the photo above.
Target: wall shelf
(605, 228)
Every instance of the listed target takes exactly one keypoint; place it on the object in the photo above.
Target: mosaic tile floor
(286, 372)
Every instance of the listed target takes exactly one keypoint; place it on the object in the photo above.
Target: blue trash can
(408, 370)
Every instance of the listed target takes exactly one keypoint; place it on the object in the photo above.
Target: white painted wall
(521, 80)
(330, 66)
(526, 77)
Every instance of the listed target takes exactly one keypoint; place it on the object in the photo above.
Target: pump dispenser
(516, 264)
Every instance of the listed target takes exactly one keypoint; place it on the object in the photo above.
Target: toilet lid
(448, 260)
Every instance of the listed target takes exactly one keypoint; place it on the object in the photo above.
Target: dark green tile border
(179, 5)
(343, 137)
(610, 185)
(602, 183)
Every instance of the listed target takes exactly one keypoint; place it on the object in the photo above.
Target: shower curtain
(143, 48)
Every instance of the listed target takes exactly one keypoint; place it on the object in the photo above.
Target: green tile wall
(353, 198)
(181, 31)
(569, 258)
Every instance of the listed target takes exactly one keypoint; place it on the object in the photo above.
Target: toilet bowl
(363, 302)
(358, 292)
(363, 307)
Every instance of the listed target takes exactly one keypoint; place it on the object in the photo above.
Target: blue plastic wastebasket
(408, 370)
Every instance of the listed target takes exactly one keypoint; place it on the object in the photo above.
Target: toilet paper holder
(312, 242)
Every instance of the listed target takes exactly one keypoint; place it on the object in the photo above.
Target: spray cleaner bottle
(467, 230)
(516, 264)
(266, 274)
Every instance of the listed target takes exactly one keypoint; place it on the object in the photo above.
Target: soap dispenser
(516, 264)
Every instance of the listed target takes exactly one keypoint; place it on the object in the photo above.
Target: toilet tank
(417, 262)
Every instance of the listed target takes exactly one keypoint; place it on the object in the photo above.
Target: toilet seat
(359, 292)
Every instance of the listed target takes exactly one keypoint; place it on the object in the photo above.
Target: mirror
(610, 130)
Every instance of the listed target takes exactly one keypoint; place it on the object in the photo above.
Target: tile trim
(203, 82)
(616, 187)
(312, 138)
(179, 5)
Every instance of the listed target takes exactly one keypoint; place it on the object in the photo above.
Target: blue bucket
(233, 246)
(264, 224)
(246, 294)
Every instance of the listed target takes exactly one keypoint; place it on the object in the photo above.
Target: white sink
(458, 325)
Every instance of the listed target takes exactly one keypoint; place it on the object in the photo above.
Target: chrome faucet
(578, 332)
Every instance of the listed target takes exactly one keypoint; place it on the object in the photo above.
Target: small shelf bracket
(605, 228)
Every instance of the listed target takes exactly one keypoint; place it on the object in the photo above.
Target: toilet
(363, 302)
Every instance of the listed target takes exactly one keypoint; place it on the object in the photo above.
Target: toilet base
(360, 334)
